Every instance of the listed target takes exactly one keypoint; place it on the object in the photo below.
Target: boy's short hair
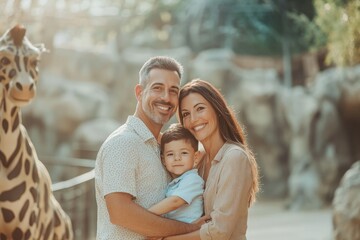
(175, 132)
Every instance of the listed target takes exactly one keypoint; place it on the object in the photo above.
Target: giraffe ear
(41, 47)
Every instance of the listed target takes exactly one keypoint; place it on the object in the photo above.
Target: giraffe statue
(28, 208)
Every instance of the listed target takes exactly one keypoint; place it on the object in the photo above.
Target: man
(129, 176)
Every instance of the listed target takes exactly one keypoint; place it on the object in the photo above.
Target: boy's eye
(184, 153)
(169, 154)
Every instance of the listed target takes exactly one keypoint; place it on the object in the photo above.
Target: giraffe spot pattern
(17, 61)
(16, 123)
(5, 125)
(34, 194)
(24, 210)
(48, 230)
(12, 73)
(28, 148)
(15, 153)
(17, 234)
(27, 166)
(13, 111)
(13, 194)
(46, 198)
(16, 171)
(32, 218)
(35, 174)
(2, 158)
(27, 234)
(7, 214)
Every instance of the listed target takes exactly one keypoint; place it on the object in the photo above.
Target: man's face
(159, 98)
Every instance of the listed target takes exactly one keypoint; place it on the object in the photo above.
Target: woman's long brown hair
(230, 128)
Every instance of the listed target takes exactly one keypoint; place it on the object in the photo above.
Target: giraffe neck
(11, 135)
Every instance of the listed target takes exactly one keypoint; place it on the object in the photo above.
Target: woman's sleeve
(232, 197)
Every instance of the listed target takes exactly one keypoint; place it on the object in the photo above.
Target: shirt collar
(178, 179)
(140, 128)
(221, 152)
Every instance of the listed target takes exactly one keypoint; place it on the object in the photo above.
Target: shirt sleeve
(190, 187)
(232, 197)
(120, 160)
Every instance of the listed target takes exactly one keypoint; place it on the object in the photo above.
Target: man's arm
(167, 205)
(125, 212)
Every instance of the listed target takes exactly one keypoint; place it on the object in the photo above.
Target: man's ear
(138, 91)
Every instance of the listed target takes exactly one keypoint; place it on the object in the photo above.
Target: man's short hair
(159, 62)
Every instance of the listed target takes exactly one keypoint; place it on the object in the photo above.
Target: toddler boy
(179, 154)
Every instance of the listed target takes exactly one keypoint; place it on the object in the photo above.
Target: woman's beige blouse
(226, 196)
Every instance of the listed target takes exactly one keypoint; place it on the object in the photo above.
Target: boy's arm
(167, 205)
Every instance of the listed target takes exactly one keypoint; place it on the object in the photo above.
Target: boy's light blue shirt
(190, 187)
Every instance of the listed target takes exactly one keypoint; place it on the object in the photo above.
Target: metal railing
(76, 194)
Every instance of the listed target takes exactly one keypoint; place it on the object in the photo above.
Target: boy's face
(178, 157)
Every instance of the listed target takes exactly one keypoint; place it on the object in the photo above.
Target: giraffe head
(18, 66)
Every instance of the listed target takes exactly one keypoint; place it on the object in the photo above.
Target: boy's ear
(162, 160)
(196, 158)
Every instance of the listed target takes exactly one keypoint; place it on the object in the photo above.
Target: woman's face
(199, 117)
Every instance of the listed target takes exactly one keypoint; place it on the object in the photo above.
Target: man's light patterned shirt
(128, 161)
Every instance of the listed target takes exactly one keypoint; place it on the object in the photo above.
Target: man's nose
(165, 96)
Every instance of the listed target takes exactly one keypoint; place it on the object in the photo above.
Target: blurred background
(290, 70)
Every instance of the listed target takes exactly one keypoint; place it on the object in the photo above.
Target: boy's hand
(202, 220)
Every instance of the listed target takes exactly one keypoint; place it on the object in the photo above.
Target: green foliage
(340, 21)
(309, 36)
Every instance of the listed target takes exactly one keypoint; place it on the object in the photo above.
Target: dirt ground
(269, 220)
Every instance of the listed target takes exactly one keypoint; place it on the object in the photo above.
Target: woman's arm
(167, 205)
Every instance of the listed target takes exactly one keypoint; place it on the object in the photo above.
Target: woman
(229, 167)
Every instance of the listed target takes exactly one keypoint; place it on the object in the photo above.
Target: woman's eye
(185, 114)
